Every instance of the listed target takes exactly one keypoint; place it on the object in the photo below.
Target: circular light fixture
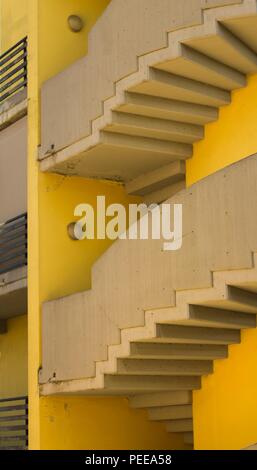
(71, 231)
(75, 23)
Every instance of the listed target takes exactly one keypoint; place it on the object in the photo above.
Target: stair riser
(170, 413)
(163, 367)
(183, 425)
(177, 351)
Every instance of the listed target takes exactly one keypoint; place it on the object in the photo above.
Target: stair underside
(158, 113)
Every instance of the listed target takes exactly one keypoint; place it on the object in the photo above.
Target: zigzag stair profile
(160, 111)
(159, 365)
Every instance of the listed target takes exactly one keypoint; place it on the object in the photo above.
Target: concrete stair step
(226, 48)
(178, 351)
(159, 383)
(163, 108)
(144, 144)
(220, 318)
(180, 425)
(198, 335)
(157, 179)
(171, 86)
(197, 66)
(160, 399)
(165, 413)
(162, 129)
(163, 367)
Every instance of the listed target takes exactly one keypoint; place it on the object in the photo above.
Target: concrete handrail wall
(219, 233)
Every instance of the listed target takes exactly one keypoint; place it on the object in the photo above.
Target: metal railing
(13, 244)
(14, 423)
(13, 70)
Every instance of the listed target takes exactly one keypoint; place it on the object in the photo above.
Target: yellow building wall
(59, 266)
(14, 359)
(100, 424)
(229, 139)
(225, 409)
(13, 22)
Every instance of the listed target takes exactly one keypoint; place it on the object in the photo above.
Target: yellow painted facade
(100, 423)
(229, 139)
(58, 266)
(225, 410)
(14, 359)
(14, 22)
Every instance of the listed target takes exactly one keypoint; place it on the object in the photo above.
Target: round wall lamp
(75, 23)
(71, 231)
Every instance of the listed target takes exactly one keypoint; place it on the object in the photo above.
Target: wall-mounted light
(75, 23)
(71, 231)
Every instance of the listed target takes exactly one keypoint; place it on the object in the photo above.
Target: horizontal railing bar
(15, 52)
(13, 244)
(13, 81)
(17, 237)
(14, 62)
(22, 41)
(6, 268)
(12, 438)
(9, 228)
(13, 247)
(13, 408)
(14, 423)
(13, 72)
(17, 427)
(11, 235)
(16, 260)
(8, 241)
(13, 219)
(21, 448)
(14, 90)
(18, 254)
(13, 448)
(20, 398)
(13, 267)
(12, 226)
(6, 419)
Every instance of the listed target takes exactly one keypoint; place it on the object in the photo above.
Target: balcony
(13, 267)
(13, 182)
(13, 83)
(14, 423)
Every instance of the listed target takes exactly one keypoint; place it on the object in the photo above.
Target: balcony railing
(14, 423)
(13, 244)
(13, 70)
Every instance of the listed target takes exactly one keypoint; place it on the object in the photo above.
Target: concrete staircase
(159, 365)
(148, 128)
(163, 368)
